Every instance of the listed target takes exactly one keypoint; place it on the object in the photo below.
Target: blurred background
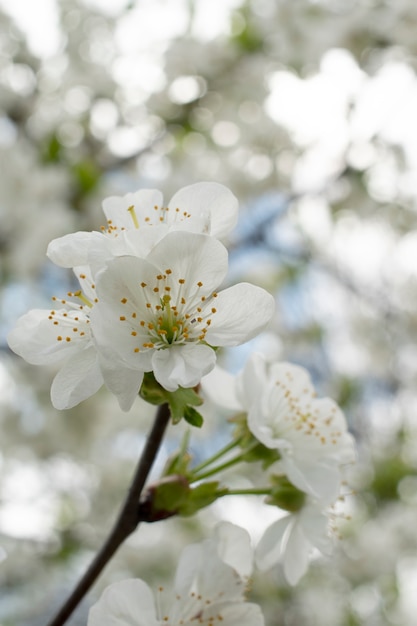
(306, 109)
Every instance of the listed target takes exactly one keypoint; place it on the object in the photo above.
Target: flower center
(169, 312)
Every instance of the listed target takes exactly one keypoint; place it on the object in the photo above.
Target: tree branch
(126, 522)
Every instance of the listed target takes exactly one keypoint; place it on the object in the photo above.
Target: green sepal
(178, 400)
(170, 494)
(178, 462)
(193, 417)
(284, 495)
(200, 497)
(151, 391)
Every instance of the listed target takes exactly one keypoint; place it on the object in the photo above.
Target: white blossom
(208, 208)
(310, 433)
(163, 313)
(209, 588)
(62, 335)
(291, 540)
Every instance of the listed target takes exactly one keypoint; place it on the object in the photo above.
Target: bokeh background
(306, 109)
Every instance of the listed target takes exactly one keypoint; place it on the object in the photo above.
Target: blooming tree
(306, 110)
(147, 321)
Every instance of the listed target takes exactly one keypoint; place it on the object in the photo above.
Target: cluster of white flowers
(209, 588)
(148, 298)
(310, 434)
(149, 301)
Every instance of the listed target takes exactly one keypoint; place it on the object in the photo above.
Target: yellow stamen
(131, 210)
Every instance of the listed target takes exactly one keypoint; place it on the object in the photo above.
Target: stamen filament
(133, 215)
(83, 298)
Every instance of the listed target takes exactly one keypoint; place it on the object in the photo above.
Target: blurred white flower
(309, 433)
(209, 588)
(162, 313)
(291, 539)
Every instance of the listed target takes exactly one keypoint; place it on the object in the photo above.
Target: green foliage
(87, 176)
(388, 475)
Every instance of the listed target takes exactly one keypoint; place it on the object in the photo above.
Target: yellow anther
(123, 300)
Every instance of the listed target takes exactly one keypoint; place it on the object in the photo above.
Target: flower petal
(209, 202)
(123, 382)
(250, 379)
(242, 312)
(125, 603)
(194, 258)
(318, 477)
(269, 548)
(234, 547)
(78, 379)
(36, 338)
(235, 614)
(71, 250)
(182, 365)
(219, 387)
(296, 556)
(116, 208)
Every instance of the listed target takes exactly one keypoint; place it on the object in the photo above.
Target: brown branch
(127, 520)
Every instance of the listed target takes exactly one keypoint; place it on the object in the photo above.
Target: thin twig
(127, 520)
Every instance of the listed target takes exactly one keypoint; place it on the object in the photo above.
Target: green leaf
(193, 417)
(87, 175)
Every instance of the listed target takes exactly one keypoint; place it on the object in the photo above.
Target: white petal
(182, 365)
(35, 338)
(116, 208)
(78, 379)
(112, 320)
(250, 380)
(269, 548)
(296, 379)
(123, 382)
(236, 614)
(242, 312)
(315, 476)
(125, 603)
(211, 203)
(234, 547)
(315, 527)
(219, 387)
(192, 257)
(71, 250)
(296, 555)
